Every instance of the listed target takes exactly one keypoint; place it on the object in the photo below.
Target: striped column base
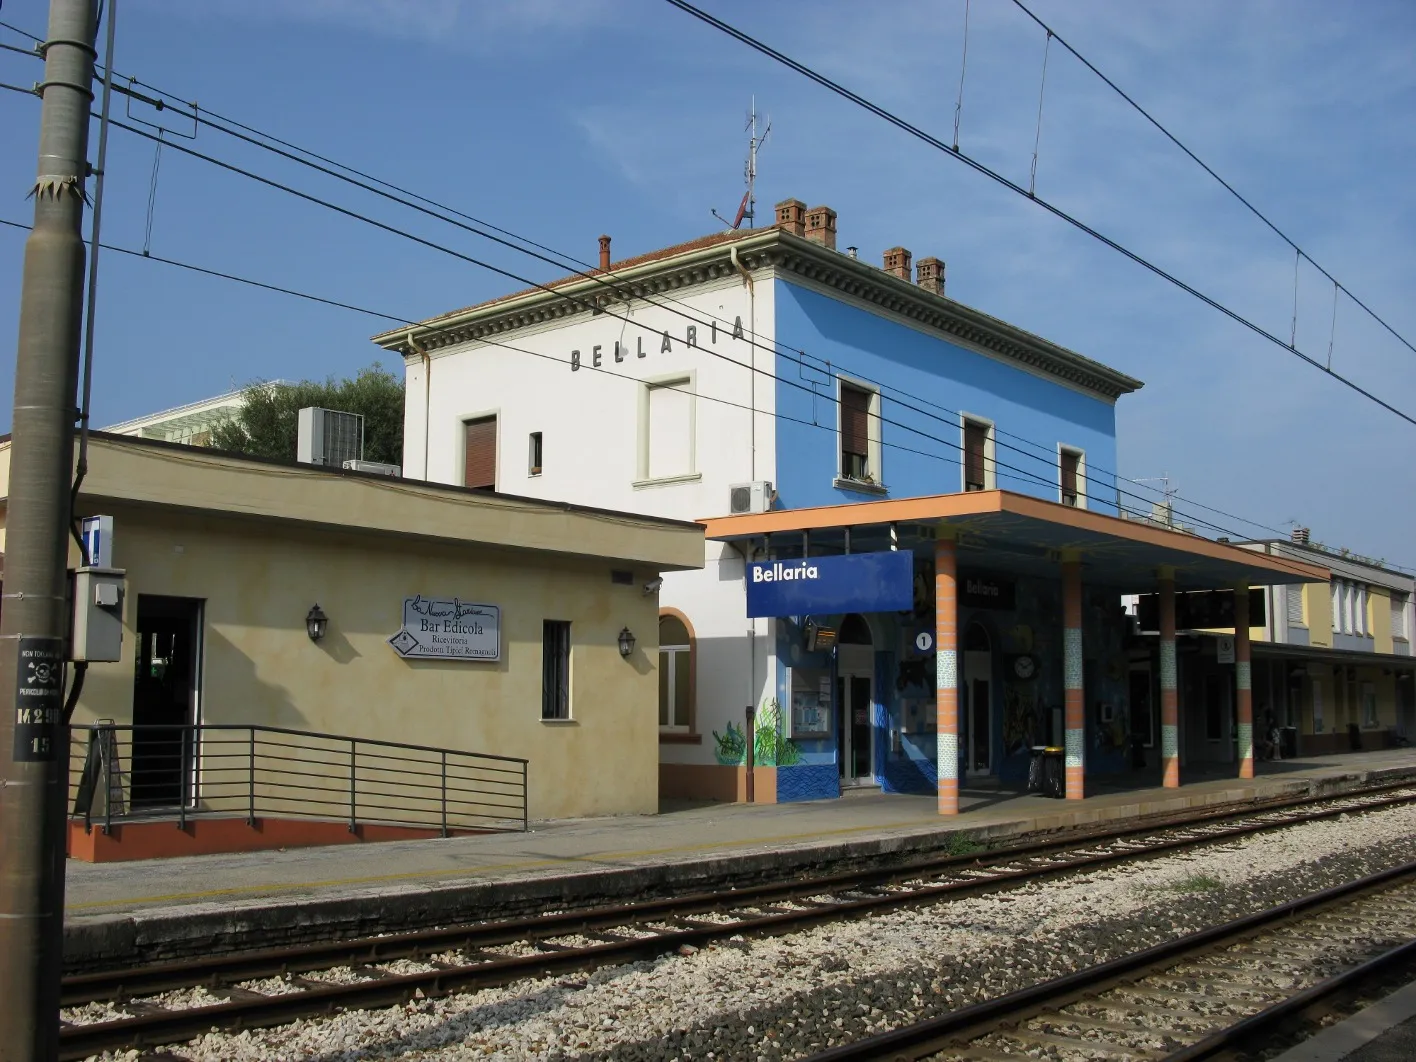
(1076, 765)
(1170, 755)
(948, 796)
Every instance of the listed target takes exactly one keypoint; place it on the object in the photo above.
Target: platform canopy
(1020, 534)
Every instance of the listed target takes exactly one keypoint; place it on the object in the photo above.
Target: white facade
(192, 424)
(632, 429)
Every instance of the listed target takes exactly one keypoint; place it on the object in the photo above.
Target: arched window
(675, 673)
(854, 630)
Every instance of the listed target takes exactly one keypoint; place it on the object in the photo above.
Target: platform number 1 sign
(39, 699)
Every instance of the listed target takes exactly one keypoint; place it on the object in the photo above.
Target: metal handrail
(189, 771)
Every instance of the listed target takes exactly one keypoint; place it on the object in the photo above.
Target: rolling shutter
(480, 466)
(1294, 601)
(670, 430)
(855, 421)
(1069, 477)
(975, 440)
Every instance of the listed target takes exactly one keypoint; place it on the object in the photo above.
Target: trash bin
(1288, 742)
(1035, 769)
(1054, 773)
(1045, 771)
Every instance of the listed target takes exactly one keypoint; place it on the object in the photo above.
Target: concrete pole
(1243, 681)
(34, 621)
(1169, 684)
(946, 657)
(1075, 702)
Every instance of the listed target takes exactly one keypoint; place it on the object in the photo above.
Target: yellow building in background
(1335, 661)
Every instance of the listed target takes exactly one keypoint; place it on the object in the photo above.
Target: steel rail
(240, 966)
(168, 1026)
(1271, 1019)
(947, 1033)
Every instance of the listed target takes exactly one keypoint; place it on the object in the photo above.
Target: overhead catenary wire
(1037, 139)
(1204, 166)
(1056, 211)
(1008, 471)
(203, 116)
(561, 258)
(433, 245)
(963, 69)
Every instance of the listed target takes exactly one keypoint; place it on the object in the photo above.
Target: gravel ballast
(774, 998)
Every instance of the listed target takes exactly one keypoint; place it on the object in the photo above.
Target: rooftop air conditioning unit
(750, 497)
(376, 467)
(329, 437)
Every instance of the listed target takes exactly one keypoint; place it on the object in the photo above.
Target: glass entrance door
(977, 713)
(854, 734)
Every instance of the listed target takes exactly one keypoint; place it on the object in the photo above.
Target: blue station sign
(858, 582)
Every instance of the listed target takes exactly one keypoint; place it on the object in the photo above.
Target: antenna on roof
(747, 209)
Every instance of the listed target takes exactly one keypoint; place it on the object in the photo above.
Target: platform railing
(125, 773)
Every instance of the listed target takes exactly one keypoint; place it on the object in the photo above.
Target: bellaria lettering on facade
(621, 351)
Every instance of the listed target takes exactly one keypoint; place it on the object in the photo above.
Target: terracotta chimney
(897, 262)
(791, 216)
(605, 254)
(821, 226)
(929, 274)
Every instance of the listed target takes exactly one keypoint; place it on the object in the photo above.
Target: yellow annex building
(229, 560)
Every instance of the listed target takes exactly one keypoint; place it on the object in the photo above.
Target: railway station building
(813, 408)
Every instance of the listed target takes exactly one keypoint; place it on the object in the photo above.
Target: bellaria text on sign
(824, 586)
(622, 352)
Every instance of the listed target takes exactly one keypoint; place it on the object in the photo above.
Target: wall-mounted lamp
(315, 623)
(626, 642)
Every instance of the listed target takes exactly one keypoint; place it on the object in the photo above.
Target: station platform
(118, 913)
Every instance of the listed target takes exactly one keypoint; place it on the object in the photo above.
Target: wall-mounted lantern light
(626, 642)
(315, 623)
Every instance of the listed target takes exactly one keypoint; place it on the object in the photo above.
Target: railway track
(171, 1002)
(1209, 995)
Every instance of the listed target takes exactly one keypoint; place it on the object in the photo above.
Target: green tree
(267, 425)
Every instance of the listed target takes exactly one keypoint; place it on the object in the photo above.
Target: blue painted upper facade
(924, 382)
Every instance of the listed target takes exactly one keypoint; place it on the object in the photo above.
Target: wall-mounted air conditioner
(751, 497)
(376, 467)
(329, 437)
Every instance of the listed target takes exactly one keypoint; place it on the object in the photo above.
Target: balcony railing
(123, 773)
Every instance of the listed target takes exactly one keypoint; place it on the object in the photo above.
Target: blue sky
(563, 120)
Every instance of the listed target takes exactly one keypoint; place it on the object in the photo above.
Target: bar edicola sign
(448, 628)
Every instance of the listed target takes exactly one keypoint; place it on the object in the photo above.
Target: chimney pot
(791, 216)
(929, 274)
(605, 253)
(1300, 536)
(897, 262)
(821, 226)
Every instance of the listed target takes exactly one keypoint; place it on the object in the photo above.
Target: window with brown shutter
(480, 466)
(975, 447)
(1071, 461)
(855, 433)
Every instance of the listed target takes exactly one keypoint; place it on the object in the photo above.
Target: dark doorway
(166, 684)
(853, 732)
